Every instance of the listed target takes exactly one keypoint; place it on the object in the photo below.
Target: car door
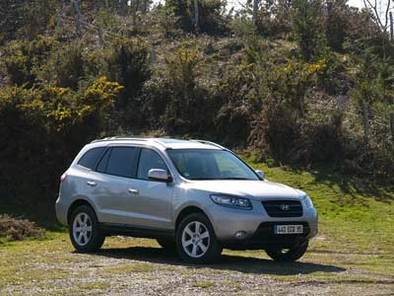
(152, 204)
(114, 195)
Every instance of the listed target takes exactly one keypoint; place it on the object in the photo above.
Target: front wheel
(287, 254)
(196, 240)
(85, 234)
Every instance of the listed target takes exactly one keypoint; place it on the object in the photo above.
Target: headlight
(307, 202)
(231, 201)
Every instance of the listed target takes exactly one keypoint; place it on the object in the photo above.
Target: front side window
(103, 162)
(89, 159)
(208, 164)
(149, 159)
(122, 161)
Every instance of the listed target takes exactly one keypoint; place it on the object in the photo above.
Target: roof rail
(208, 143)
(119, 138)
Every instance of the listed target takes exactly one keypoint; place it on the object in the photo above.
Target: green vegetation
(203, 284)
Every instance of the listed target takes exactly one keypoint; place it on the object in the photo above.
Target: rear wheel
(84, 232)
(196, 240)
(287, 254)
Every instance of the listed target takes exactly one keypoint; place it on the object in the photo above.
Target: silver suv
(194, 196)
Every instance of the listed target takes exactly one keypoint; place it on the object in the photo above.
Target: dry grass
(15, 229)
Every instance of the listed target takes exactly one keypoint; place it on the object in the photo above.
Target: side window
(122, 161)
(89, 159)
(149, 159)
(102, 165)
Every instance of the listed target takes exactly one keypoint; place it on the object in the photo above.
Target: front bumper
(258, 226)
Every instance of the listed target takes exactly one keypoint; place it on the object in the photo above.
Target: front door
(152, 205)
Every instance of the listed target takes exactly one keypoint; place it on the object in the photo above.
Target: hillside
(306, 84)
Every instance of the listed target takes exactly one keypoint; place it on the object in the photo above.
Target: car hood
(258, 190)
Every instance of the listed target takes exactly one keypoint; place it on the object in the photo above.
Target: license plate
(288, 229)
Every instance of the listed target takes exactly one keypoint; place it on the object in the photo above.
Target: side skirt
(127, 230)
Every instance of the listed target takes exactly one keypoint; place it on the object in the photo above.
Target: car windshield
(209, 164)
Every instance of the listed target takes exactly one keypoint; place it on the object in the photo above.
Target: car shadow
(225, 262)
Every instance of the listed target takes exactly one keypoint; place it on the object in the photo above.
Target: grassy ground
(352, 255)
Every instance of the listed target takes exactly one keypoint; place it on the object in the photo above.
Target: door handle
(133, 191)
(91, 183)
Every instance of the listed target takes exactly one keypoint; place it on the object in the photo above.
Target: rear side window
(122, 162)
(89, 159)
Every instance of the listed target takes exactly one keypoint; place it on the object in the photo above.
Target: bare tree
(76, 5)
(255, 10)
(380, 12)
(196, 17)
(135, 8)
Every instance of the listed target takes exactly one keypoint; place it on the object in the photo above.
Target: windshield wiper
(234, 178)
(219, 178)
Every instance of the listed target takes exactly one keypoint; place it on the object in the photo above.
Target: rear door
(116, 183)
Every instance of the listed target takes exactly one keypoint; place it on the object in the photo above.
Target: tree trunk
(366, 123)
(196, 17)
(392, 126)
(145, 6)
(76, 5)
(135, 7)
(255, 11)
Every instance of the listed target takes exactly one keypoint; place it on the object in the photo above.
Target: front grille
(283, 208)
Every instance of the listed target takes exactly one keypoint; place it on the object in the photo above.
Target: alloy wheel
(82, 229)
(195, 239)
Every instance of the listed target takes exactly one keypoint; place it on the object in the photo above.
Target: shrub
(211, 19)
(185, 99)
(22, 59)
(128, 64)
(16, 229)
(336, 23)
(66, 66)
(308, 30)
(43, 128)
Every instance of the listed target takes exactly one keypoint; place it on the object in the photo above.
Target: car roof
(166, 143)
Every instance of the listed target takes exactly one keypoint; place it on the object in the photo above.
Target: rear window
(89, 159)
(122, 162)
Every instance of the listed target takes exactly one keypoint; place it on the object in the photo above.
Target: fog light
(240, 235)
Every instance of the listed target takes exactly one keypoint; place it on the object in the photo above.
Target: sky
(382, 4)
(235, 3)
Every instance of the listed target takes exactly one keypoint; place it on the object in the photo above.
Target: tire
(196, 240)
(167, 244)
(288, 255)
(90, 239)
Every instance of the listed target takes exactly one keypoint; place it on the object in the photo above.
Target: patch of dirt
(140, 267)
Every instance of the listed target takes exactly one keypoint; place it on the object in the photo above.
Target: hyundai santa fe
(190, 195)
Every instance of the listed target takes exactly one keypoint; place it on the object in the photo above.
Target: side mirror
(159, 175)
(260, 174)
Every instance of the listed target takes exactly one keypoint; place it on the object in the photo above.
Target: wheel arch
(75, 204)
(187, 211)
